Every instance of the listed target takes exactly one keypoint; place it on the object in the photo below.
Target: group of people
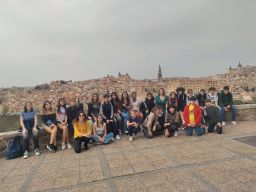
(101, 122)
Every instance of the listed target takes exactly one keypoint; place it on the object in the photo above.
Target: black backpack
(15, 148)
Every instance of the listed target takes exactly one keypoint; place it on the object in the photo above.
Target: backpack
(15, 148)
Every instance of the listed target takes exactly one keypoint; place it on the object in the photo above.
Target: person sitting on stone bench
(28, 122)
(49, 124)
(193, 118)
(213, 117)
(226, 104)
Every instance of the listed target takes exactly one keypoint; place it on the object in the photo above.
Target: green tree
(5, 109)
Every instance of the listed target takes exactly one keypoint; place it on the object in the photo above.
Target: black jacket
(107, 111)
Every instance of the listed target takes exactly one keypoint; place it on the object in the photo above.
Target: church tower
(160, 75)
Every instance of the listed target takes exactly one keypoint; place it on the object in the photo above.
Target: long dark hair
(117, 100)
(59, 105)
(44, 107)
(127, 99)
(77, 117)
(25, 107)
(160, 90)
(97, 100)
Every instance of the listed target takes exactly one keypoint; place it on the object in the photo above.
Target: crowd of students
(101, 122)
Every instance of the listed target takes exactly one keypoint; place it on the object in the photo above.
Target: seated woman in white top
(100, 132)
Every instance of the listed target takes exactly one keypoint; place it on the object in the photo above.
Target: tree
(5, 109)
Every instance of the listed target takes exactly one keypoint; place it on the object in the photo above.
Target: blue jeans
(29, 125)
(107, 139)
(233, 111)
(199, 131)
(126, 116)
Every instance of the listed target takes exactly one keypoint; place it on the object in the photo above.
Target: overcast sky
(45, 40)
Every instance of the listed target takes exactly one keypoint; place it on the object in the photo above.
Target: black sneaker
(55, 148)
(86, 147)
(50, 147)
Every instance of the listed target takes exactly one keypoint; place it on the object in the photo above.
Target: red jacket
(197, 113)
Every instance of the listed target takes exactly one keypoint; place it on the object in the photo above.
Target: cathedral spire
(160, 75)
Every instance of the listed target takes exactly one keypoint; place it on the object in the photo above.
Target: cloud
(53, 39)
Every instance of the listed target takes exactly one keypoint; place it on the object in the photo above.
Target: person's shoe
(176, 134)
(50, 147)
(25, 155)
(37, 152)
(113, 139)
(130, 138)
(69, 146)
(223, 124)
(63, 146)
(55, 148)
(234, 123)
(126, 132)
(118, 137)
(86, 147)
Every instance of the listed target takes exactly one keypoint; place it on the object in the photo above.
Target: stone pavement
(209, 163)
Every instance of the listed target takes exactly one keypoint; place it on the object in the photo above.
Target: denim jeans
(199, 131)
(233, 111)
(107, 139)
(26, 135)
(126, 116)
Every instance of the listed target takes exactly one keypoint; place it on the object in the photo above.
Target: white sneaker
(176, 134)
(126, 132)
(113, 139)
(118, 137)
(37, 152)
(223, 124)
(63, 146)
(234, 123)
(25, 155)
(69, 146)
(130, 139)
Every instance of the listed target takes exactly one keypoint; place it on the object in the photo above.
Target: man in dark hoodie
(226, 104)
(107, 112)
(213, 117)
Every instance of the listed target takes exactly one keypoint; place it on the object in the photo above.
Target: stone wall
(244, 113)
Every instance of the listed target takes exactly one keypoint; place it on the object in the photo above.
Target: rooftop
(208, 163)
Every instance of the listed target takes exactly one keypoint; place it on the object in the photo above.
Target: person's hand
(166, 124)
(110, 120)
(228, 107)
(24, 130)
(219, 124)
(192, 124)
(101, 139)
(183, 122)
(225, 108)
(166, 133)
(35, 130)
(147, 111)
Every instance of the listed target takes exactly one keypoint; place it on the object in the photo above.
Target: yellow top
(82, 129)
(191, 114)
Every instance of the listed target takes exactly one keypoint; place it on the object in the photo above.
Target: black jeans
(133, 130)
(172, 128)
(212, 126)
(111, 128)
(26, 135)
(78, 141)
